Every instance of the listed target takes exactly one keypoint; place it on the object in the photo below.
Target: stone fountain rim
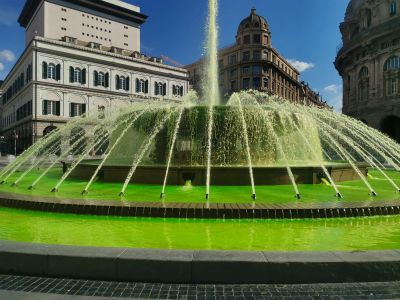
(297, 210)
(199, 267)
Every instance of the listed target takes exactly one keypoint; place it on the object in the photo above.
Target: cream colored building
(369, 63)
(63, 76)
(253, 63)
(110, 23)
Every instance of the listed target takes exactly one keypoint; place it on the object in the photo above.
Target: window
(177, 90)
(76, 109)
(392, 86)
(51, 108)
(142, 86)
(257, 70)
(160, 89)
(101, 79)
(266, 40)
(246, 70)
(246, 56)
(51, 71)
(256, 83)
(246, 83)
(265, 82)
(363, 91)
(246, 39)
(233, 59)
(24, 111)
(256, 55)
(363, 73)
(393, 8)
(233, 85)
(257, 39)
(393, 63)
(77, 75)
(122, 82)
(233, 73)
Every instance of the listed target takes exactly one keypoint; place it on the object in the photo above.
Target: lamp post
(15, 142)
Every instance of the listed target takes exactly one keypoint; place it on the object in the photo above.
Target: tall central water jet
(210, 81)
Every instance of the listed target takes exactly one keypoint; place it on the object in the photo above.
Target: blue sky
(306, 31)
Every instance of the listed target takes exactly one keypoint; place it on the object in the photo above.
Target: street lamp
(15, 142)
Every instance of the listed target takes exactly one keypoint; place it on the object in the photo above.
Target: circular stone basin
(252, 235)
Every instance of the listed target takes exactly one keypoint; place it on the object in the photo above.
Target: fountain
(253, 141)
(257, 158)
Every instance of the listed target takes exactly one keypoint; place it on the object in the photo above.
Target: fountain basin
(199, 251)
(225, 176)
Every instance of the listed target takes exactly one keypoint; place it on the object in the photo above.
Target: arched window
(77, 75)
(101, 79)
(363, 84)
(363, 73)
(392, 68)
(51, 71)
(160, 89)
(177, 90)
(393, 8)
(393, 63)
(142, 86)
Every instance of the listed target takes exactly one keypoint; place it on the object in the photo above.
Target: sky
(306, 32)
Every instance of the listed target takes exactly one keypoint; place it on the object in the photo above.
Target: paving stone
(52, 288)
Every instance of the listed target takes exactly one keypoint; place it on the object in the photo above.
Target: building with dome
(252, 63)
(369, 63)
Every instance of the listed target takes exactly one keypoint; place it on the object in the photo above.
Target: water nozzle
(298, 196)
(374, 194)
(14, 184)
(162, 195)
(30, 187)
(339, 195)
(207, 196)
(85, 192)
(254, 196)
(54, 190)
(2, 182)
(121, 194)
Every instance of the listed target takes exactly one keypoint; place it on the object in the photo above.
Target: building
(252, 63)
(369, 63)
(81, 56)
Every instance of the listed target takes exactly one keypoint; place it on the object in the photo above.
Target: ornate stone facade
(252, 63)
(369, 63)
